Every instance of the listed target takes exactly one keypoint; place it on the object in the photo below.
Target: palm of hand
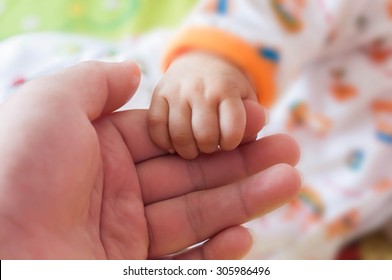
(102, 200)
(69, 186)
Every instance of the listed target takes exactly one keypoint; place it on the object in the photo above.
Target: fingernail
(252, 234)
(136, 72)
(301, 175)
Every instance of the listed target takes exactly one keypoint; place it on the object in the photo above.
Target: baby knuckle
(156, 121)
(181, 139)
(207, 142)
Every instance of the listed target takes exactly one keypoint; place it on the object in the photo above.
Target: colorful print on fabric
(308, 204)
(382, 110)
(301, 117)
(389, 8)
(383, 185)
(18, 81)
(378, 51)
(340, 89)
(220, 7)
(343, 225)
(289, 13)
(355, 159)
(269, 54)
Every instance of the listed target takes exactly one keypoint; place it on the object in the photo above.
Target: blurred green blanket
(101, 18)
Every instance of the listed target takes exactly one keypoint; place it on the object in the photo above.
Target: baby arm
(199, 105)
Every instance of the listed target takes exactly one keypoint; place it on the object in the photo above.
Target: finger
(158, 124)
(230, 244)
(180, 222)
(174, 176)
(97, 88)
(256, 117)
(205, 126)
(232, 121)
(146, 149)
(180, 129)
(132, 124)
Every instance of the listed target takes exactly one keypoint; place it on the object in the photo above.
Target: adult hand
(78, 181)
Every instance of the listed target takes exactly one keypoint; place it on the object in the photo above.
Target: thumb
(98, 88)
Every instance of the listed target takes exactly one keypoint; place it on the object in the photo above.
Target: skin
(80, 182)
(200, 105)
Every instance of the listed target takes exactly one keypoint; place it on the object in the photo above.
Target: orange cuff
(236, 50)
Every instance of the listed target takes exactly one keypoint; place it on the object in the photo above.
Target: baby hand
(199, 105)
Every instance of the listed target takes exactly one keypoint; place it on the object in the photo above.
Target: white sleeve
(297, 32)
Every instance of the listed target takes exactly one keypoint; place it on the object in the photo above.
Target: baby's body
(331, 63)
